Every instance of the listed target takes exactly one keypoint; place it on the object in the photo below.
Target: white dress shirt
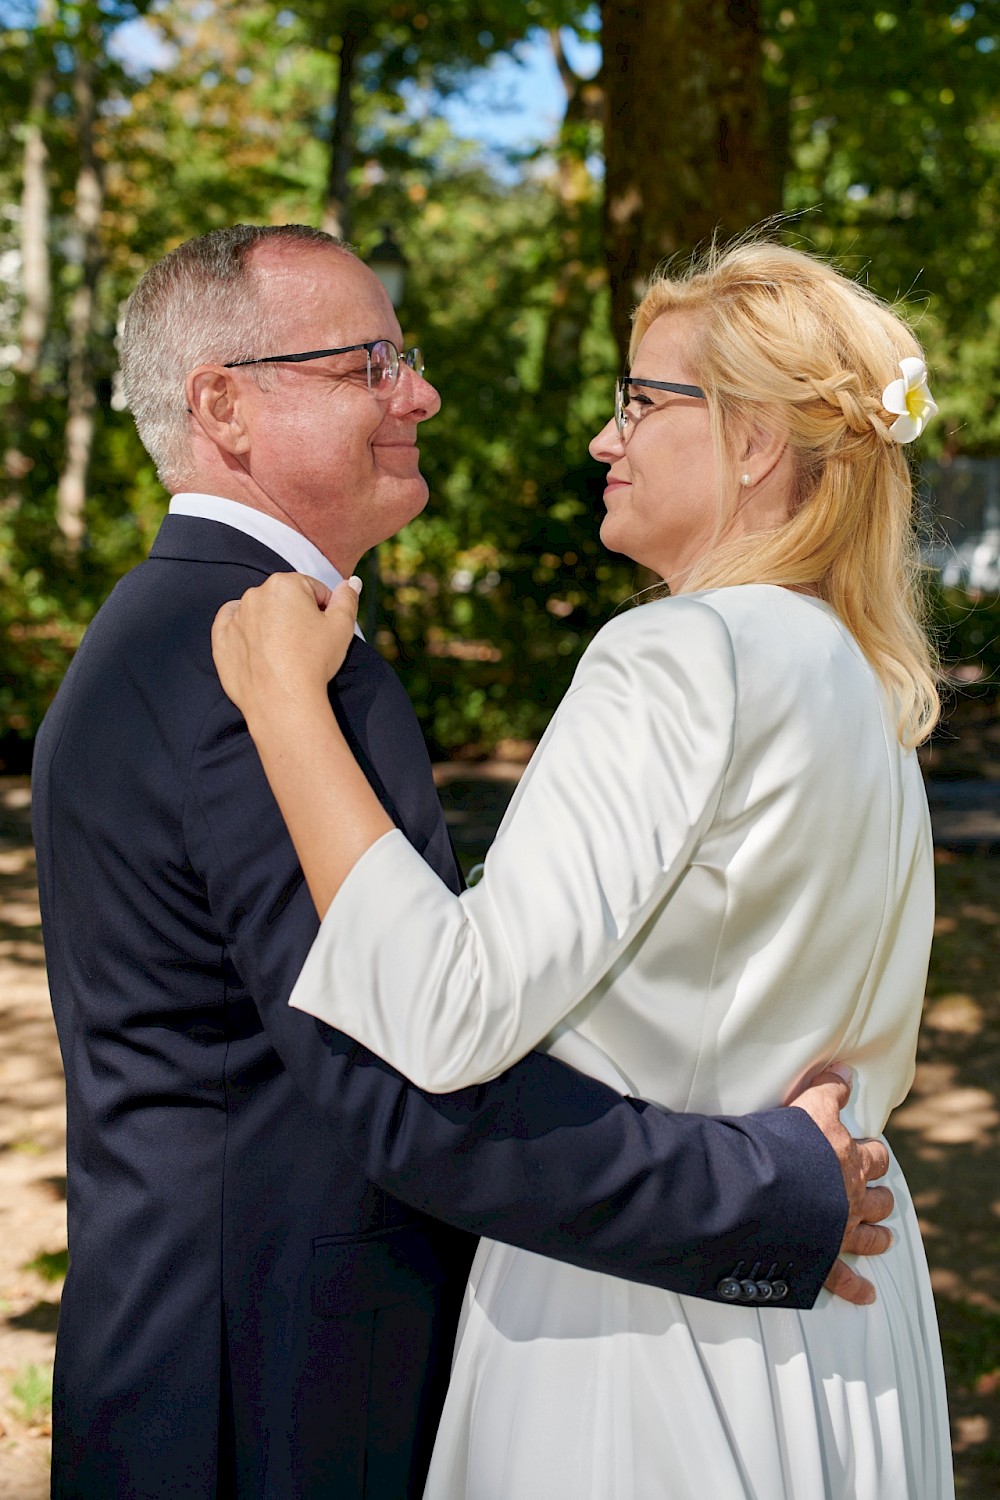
(296, 550)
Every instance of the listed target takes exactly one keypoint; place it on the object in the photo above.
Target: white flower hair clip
(910, 400)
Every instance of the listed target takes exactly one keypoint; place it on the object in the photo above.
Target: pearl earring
(745, 479)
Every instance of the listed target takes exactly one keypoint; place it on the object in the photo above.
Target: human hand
(283, 641)
(860, 1162)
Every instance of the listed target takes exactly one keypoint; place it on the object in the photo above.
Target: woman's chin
(620, 544)
(614, 538)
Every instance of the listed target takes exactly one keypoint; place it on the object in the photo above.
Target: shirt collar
(296, 550)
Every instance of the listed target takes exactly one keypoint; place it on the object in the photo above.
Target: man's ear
(763, 451)
(214, 402)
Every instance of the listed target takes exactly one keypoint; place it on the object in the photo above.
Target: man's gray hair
(200, 304)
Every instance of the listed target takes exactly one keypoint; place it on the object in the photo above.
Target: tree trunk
(576, 282)
(81, 393)
(337, 216)
(36, 281)
(35, 275)
(690, 145)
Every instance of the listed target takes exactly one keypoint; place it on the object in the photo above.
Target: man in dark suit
(269, 1229)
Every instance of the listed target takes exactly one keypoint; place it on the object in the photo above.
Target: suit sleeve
(453, 989)
(541, 1157)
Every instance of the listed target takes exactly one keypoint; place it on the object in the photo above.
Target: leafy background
(877, 126)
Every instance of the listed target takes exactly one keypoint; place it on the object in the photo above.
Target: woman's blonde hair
(783, 342)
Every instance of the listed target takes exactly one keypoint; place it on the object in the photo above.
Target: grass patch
(32, 1393)
(50, 1265)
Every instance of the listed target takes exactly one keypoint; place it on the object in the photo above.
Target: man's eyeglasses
(382, 357)
(624, 398)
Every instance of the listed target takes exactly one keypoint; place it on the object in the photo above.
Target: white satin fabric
(715, 876)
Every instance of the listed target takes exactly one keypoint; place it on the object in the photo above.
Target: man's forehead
(307, 273)
(331, 285)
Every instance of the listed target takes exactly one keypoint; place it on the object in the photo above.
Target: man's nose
(413, 395)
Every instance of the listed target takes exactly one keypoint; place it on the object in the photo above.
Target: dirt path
(946, 1135)
(32, 1165)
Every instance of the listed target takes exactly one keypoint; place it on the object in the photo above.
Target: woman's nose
(607, 444)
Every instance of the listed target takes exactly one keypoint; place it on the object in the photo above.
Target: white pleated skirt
(571, 1385)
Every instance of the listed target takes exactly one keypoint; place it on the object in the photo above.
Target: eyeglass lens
(383, 364)
(621, 416)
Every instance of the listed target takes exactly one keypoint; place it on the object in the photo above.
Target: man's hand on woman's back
(861, 1162)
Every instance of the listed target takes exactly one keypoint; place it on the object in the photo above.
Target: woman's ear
(763, 450)
(214, 402)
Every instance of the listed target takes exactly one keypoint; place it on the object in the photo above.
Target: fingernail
(841, 1070)
(354, 582)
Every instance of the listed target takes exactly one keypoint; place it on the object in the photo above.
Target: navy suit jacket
(269, 1229)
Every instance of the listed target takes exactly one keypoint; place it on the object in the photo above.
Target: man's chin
(419, 493)
(407, 499)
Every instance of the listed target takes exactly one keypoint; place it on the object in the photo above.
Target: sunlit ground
(946, 1136)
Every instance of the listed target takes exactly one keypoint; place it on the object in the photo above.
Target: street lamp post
(390, 266)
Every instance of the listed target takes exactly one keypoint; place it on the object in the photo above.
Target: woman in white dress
(714, 878)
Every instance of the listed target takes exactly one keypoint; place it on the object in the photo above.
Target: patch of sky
(514, 104)
(17, 14)
(141, 48)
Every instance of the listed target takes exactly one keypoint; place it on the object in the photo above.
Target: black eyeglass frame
(621, 414)
(412, 357)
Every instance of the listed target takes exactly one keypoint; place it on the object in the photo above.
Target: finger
(320, 592)
(874, 1158)
(839, 1071)
(823, 1098)
(867, 1239)
(848, 1285)
(226, 613)
(878, 1205)
(836, 1077)
(220, 625)
(344, 598)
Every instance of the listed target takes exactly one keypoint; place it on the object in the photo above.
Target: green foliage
(894, 162)
(429, 41)
(32, 1393)
(491, 595)
(484, 633)
(967, 631)
(50, 1265)
(39, 631)
(889, 133)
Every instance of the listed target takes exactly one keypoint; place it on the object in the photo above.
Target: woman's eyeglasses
(624, 398)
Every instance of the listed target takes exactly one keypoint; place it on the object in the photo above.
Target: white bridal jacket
(715, 876)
